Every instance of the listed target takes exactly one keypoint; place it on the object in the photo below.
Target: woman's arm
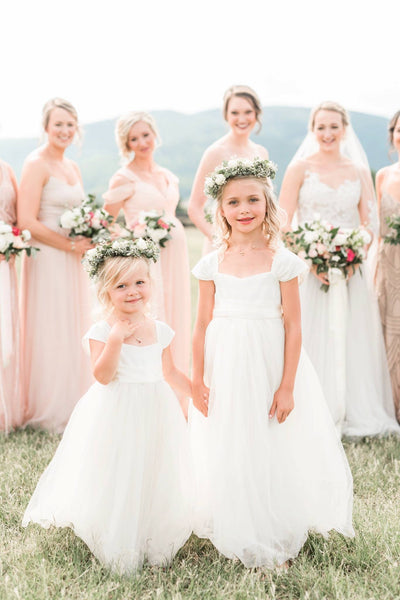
(198, 199)
(204, 315)
(113, 208)
(34, 177)
(176, 379)
(290, 188)
(283, 402)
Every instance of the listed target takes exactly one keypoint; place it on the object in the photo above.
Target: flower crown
(237, 167)
(139, 248)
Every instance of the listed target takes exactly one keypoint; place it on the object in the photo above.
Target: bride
(329, 178)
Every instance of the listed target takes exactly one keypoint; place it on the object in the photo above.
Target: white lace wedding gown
(347, 349)
(260, 485)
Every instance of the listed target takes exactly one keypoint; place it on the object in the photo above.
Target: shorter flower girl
(120, 477)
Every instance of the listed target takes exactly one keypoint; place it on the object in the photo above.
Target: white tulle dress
(120, 476)
(344, 339)
(262, 486)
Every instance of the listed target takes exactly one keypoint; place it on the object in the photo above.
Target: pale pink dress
(55, 313)
(11, 409)
(171, 301)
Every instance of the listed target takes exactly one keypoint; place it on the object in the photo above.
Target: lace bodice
(338, 206)
(8, 210)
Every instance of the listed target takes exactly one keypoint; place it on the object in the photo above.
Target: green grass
(36, 564)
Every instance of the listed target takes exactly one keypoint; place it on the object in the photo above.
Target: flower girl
(269, 464)
(119, 477)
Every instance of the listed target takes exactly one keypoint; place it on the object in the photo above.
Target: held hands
(323, 277)
(282, 405)
(200, 396)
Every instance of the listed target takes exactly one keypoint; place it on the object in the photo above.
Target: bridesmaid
(55, 299)
(242, 111)
(11, 410)
(142, 185)
(388, 270)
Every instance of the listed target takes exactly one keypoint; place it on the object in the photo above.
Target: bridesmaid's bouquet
(152, 224)
(394, 236)
(14, 240)
(328, 247)
(88, 220)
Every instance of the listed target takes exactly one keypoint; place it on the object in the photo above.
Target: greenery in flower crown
(237, 167)
(138, 248)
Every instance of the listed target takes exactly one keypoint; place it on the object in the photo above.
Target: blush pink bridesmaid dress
(171, 302)
(55, 314)
(11, 408)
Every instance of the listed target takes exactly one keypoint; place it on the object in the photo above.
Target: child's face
(244, 205)
(131, 293)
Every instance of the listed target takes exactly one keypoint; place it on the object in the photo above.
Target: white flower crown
(237, 167)
(139, 248)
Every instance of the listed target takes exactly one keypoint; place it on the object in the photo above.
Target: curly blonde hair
(272, 220)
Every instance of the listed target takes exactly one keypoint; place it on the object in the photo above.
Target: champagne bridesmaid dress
(171, 301)
(11, 409)
(388, 289)
(55, 313)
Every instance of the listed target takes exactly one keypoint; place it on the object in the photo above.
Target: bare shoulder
(297, 169)
(383, 173)
(117, 180)
(260, 150)
(36, 164)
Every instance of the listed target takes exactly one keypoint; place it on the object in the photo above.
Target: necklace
(244, 251)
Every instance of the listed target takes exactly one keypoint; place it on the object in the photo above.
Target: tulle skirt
(120, 477)
(262, 486)
(355, 379)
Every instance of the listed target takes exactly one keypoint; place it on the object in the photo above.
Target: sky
(182, 55)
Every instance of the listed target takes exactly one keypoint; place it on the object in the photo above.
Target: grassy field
(46, 565)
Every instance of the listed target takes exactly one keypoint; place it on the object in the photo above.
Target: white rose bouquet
(328, 247)
(393, 237)
(14, 241)
(152, 224)
(87, 220)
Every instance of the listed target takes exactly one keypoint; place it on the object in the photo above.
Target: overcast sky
(182, 55)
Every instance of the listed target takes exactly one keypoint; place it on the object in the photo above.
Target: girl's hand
(80, 245)
(11, 260)
(200, 395)
(323, 277)
(282, 405)
(122, 329)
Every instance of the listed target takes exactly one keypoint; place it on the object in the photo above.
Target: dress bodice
(137, 364)
(338, 206)
(139, 195)
(256, 296)
(389, 206)
(57, 197)
(8, 209)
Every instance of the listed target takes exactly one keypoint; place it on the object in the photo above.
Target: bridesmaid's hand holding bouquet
(87, 220)
(13, 241)
(326, 247)
(393, 237)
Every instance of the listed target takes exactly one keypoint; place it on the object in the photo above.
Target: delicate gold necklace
(244, 251)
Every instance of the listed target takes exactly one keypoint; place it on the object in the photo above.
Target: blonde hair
(125, 124)
(272, 220)
(65, 105)
(111, 272)
(332, 106)
(243, 91)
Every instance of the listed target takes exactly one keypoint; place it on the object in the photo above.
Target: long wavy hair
(272, 220)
